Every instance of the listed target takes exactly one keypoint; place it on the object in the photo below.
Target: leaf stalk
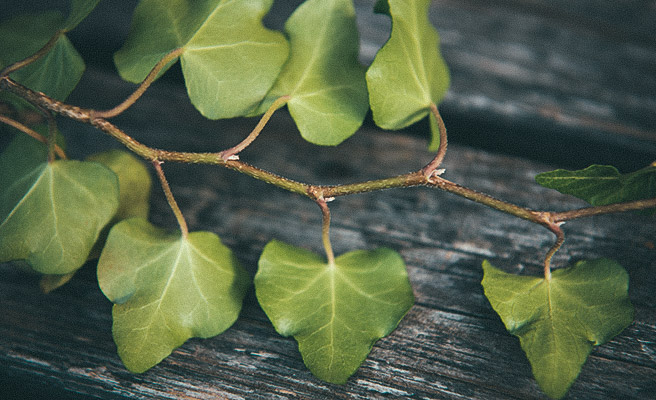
(170, 199)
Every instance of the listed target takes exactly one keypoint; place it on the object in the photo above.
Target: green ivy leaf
(56, 73)
(80, 9)
(408, 73)
(602, 184)
(167, 289)
(133, 180)
(52, 213)
(229, 59)
(335, 312)
(559, 321)
(323, 77)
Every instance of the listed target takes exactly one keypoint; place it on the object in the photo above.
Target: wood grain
(568, 83)
(450, 345)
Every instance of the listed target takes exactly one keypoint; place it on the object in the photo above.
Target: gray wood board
(450, 345)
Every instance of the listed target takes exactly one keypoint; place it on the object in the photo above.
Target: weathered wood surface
(550, 80)
(450, 345)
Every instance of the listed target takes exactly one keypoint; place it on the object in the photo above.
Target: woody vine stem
(321, 194)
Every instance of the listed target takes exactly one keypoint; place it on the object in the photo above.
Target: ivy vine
(57, 213)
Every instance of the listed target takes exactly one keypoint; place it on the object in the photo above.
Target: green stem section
(419, 178)
(170, 199)
(30, 132)
(145, 84)
(441, 150)
(29, 60)
(233, 151)
(325, 231)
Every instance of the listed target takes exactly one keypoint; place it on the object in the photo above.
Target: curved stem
(29, 60)
(34, 134)
(429, 169)
(325, 230)
(316, 191)
(145, 84)
(560, 239)
(231, 153)
(607, 209)
(170, 199)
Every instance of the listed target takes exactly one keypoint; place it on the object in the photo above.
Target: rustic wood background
(536, 85)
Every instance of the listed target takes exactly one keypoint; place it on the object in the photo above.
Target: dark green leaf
(52, 213)
(79, 11)
(602, 184)
(323, 77)
(229, 59)
(58, 72)
(335, 312)
(559, 321)
(167, 289)
(408, 74)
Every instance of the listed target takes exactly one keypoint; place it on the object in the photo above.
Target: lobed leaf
(51, 213)
(602, 184)
(229, 59)
(322, 76)
(167, 289)
(335, 312)
(559, 321)
(133, 180)
(408, 73)
(57, 72)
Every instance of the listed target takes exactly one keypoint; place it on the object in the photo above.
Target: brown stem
(29, 60)
(599, 210)
(411, 179)
(429, 169)
(145, 84)
(232, 152)
(170, 199)
(325, 230)
(560, 239)
(52, 135)
(30, 132)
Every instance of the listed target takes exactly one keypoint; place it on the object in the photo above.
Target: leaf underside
(336, 313)
(559, 321)
(167, 289)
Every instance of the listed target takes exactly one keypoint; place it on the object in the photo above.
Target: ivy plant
(168, 286)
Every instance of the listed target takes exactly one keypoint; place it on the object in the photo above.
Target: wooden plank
(450, 345)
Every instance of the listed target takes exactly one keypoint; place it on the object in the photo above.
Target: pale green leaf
(133, 179)
(52, 213)
(325, 81)
(229, 59)
(602, 184)
(167, 289)
(335, 312)
(56, 73)
(408, 73)
(559, 321)
(134, 184)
